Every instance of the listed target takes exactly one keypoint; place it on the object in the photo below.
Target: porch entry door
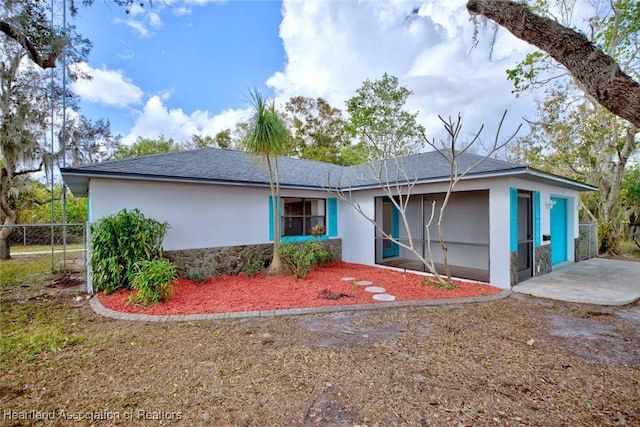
(391, 226)
(558, 230)
(525, 235)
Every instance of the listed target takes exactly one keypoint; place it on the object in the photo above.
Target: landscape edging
(100, 309)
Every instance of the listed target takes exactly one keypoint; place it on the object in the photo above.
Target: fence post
(87, 261)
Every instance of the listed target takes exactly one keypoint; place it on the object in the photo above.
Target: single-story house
(505, 222)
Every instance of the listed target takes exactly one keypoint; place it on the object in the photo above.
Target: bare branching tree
(451, 151)
(397, 183)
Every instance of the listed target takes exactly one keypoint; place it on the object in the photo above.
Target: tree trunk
(7, 215)
(612, 215)
(276, 268)
(5, 246)
(598, 73)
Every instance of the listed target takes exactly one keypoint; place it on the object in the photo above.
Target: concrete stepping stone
(364, 283)
(384, 297)
(348, 279)
(375, 290)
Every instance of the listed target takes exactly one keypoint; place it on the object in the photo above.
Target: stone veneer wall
(542, 256)
(211, 262)
(514, 268)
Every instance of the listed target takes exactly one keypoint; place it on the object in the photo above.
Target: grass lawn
(516, 361)
(19, 249)
(28, 269)
(630, 249)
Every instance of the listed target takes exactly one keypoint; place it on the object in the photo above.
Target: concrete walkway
(100, 309)
(594, 281)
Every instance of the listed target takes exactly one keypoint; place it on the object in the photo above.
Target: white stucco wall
(357, 233)
(499, 234)
(199, 215)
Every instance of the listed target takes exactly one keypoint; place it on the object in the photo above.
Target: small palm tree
(267, 136)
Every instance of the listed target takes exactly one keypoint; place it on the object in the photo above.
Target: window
(300, 215)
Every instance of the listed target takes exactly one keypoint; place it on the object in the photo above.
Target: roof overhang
(523, 173)
(78, 180)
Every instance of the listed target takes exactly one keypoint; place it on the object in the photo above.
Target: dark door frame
(525, 235)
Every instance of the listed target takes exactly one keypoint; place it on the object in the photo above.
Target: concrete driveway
(594, 281)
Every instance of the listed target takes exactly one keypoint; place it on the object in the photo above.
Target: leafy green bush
(321, 254)
(152, 281)
(300, 257)
(252, 267)
(118, 242)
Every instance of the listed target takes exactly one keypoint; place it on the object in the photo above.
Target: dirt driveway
(517, 361)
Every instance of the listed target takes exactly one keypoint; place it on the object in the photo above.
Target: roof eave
(523, 171)
(78, 181)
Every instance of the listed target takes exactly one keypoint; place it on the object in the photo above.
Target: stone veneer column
(542, 256)
(514, 268)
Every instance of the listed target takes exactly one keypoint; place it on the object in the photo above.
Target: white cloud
(127, 54)
(136, 8)
(156, 119)
(333, 46)
(108, 87)
(154, 20)
(181, 11)
(135, 25)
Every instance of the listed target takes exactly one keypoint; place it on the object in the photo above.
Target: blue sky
(202, 60)
(183, 66)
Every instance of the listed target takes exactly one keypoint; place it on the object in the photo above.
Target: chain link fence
(44, 252)
(587, 240)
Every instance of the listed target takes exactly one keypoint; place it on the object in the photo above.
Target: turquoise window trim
(536, 219)
(290, 239)
(513, 219)
(271, 216)
(332, 217)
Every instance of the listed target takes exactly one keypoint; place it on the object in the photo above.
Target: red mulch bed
(241, 293)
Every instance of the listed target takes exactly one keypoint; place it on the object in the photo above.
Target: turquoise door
(391, 226)
(558, 230)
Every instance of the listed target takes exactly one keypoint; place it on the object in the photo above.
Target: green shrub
(436, 284)
(152, 281)
(118, 242)
(252, 267)
(300, 257)
(321, 254)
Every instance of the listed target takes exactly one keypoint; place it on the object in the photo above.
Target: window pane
(312, 222)
(292, 206)
(292, 226)
(317, 207)
(300, 215)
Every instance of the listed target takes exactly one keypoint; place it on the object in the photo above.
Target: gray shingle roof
(430, 166)
(216, 165)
